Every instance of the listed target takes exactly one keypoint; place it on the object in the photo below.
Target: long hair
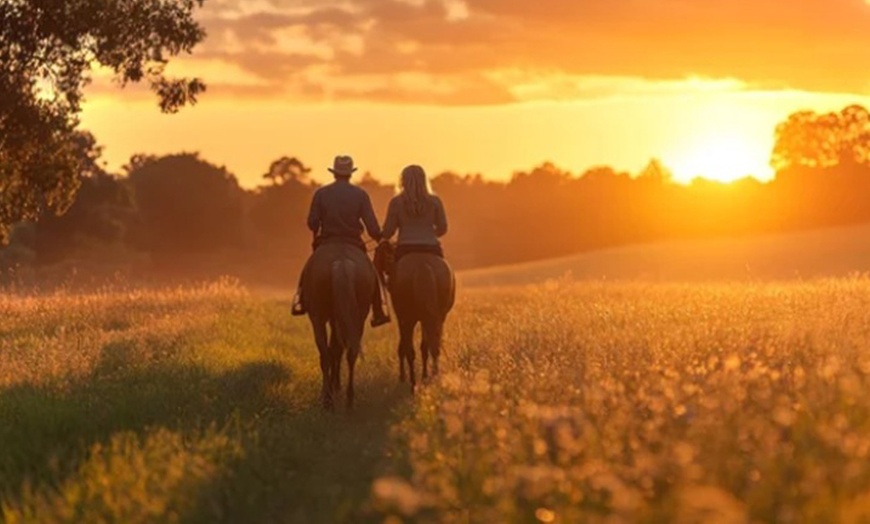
(415, 190)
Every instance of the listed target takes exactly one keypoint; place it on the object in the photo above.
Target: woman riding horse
(420, 281)
(417, 214)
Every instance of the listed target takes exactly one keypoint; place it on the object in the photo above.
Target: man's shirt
(342, 210)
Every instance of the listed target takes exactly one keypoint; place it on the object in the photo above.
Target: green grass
(196, 405)
(559, 403)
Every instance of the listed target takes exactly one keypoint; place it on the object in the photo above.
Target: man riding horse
(339, 283)
(339, 213)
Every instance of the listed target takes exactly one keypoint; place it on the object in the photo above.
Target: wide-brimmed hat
(342, 166)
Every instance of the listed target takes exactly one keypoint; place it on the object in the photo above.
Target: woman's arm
(440, 218)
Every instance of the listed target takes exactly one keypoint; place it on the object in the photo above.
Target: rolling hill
(801, 255)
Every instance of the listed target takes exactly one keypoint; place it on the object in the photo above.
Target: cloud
(493, 51)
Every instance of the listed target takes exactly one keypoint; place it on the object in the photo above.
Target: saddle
(387, 254)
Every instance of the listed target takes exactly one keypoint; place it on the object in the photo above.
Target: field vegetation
(564, 402)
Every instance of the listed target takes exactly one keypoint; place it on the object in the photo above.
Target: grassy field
(558, 403)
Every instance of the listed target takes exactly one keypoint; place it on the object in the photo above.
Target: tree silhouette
(47, 50)
(808, 139)
(275, 209)
(100, 215)
(185, 204)
(656, 173)
(286, 169)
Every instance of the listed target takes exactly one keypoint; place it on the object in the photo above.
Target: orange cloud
(485, 51)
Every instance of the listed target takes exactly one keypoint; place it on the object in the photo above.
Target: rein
(371, 246)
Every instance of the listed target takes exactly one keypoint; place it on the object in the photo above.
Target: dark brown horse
(423, 290)
(337, 287)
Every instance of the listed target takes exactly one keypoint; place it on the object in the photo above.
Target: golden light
(723, 157)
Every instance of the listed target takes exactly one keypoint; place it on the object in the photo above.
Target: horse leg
(321, 339)
(351, 364)
(401, 356)
(424, 351)
(436, 347)
(406, 350)
(431, 345)
(335, 350)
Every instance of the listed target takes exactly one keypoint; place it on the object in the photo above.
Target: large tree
(809, 139)
(185, 204)
(48, 49)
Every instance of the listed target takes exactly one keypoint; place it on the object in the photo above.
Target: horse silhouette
(337, 287)
(423, 291)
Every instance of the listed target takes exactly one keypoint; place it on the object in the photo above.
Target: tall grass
(560, 403)
(181, 405)
(640, 403)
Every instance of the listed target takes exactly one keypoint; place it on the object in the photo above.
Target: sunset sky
(494, 86)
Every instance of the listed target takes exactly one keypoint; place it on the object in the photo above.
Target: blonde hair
(415, 190)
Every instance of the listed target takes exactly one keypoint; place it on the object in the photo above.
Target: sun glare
(720, 157)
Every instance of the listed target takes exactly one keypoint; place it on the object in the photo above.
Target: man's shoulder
(360, 192)
(342, 189)
(332, 187)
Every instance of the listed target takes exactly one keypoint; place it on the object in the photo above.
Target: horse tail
(427, 300)
(345, 304)
(426, 291)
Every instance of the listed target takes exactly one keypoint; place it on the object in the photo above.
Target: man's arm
(314, 214)
(440, 218)
(370, 221)
(392, 221)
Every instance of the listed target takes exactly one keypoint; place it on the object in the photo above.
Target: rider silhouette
(340, 212)
(417, 215)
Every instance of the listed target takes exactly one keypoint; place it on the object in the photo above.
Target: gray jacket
(421, 230)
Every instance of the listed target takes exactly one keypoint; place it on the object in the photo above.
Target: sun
(723, 157)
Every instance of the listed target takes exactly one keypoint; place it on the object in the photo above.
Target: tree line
(180, 215)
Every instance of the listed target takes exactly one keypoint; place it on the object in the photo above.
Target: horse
(423, 290)
(337, 287)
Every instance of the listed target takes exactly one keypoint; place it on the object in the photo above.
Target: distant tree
(655, 173)
(185, 204)
(47, 50)
(286, 169)
(542, 178)
(379, 193)
(603, 175)
(100, 215)
(279, 210)
(808, 139)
